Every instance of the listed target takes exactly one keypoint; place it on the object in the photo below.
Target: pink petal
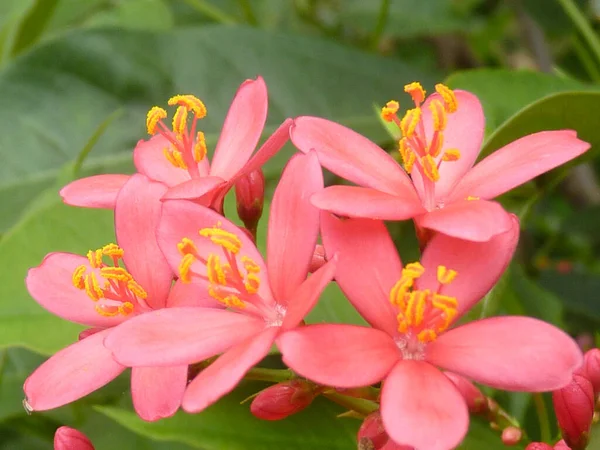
(181, 218)
(479, 264)
(350, 155)
(72, 373)
(319, 352)
(520, 161)
(513, 353)
(307, 294)
(355, 201)
(242, 128)
(464, 132)
(202, 189)
(99, 191)
(67, 438)
(176, 336)
(51, 285)
(136, 218)
(157, 391)
(471, 220)
(293, 225)
(226, 372)
(190, 294)
(422, 408)
(368, 266)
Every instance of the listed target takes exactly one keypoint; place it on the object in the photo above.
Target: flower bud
(574, 407)
(538, 446)
(511, 435)
(372, 435)
(283, 399)
(591, 368)
(250, 196)
(67, 438)
(476, 401)
(318, 259)
(561, 445)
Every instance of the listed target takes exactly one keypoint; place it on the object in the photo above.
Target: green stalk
(270, 375)
(382, 18)
(248, 12)
(211, 12)
(542, 413)
(582, 24)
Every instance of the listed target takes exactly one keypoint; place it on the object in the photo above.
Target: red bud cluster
(282, 400)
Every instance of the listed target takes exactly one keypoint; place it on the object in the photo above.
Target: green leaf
(79, 80)
(227, 424)
(578, 291)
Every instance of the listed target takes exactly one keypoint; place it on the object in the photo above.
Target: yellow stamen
(427, 335)
(227, 299)
(449, 97)
(191, 102)
(136, 289)
(187, 246)
(438, 113)
(389, 111)
(200, 147)
(399, 290)
(175, 158)
(184, 268)
(451, 154)
(112, 250)
(106, 312)
(250, 265)
(155, 115)
(410, 162)
(471, 198)
(409, 122)
(430, 169)
(78, 277)
(416, 91)
(435, 147)
(115, 273)
(252, 283)
(221, 237)
(126, 308)
(404, 148)
(92, 288)
(413, 270)
(445, 275)
(95, 258)
(180, 120)
(214, 270)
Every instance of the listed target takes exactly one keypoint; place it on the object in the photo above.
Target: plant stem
(211, 12)
(542, 413)
(384, 9)
(248, 12)
(582, 24)
(270, 375)
(359, 405)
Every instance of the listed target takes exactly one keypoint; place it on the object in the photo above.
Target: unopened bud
(318, 258)
(561, 445)
(476, 401)
(67, 438)
(511, 435)
(282, 400)
(250, 196)
(372, 435)
(591, 368)
(538, 446)
(574, 407)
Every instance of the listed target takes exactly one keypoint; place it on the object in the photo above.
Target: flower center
(188, 147)
(422, 313)
(414, 147)
(110, 286)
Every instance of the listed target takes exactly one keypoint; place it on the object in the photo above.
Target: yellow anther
(95, 258)
(214, 270)
(471, 198)
(451, 154)
(435, 147)
(410, 306)
(445, 275)
(227, 299)
(175, 158)
(399, 291)
(430, 169)
(200, 147)
(191, 102)
(389, 111)
(402, 324)
(180, 120)
(413, 270)
(185, 274)
(136, 289)
(419, 307)
(187, 246)
(409, 122)
(450, 302)
(78, 277)
(126, 308)
(410, 162)
(416, 91)
(105, 311)
(252, 283)
(92, 288)
(404, 148)
(225, 239)
(250, 265)
(449, 97)
(438, 114)
(155, 115)
(427, 335)
(115, 273)
(112, 250)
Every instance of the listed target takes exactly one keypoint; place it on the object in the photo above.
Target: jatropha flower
(441, 138)
(412, 310)
(262, 300)
(102, 290)
(177, 155)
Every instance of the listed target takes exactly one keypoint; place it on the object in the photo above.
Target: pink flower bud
(67, 438)
(318, 259)
(538, 446)
(591, 368)
(250, 196)
(561, 445)
(372, 435)
(283, 399)
(511, 435)
(574, 407)
(476, 401)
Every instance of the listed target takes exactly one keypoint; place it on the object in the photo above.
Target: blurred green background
(78, 76)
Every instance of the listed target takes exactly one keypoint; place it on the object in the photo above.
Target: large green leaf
(60, 92)
(227, 424)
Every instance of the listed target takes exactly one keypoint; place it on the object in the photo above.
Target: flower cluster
(185, 299)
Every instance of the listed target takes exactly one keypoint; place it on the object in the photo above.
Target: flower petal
(72, 373)
(368, 266)
(471, 220)
(350, 155)
(513, 353)
(136, 218)
(293, 225)
(355, 201)
(67, 438)
(175, 336)
(227, 371)
(99, 191)
(520, 161)
(51, 285)
(190, 294)
(319, 352)
(307, 294)
(204, 190)
(157, 391)
(422, 408)
(479, 264)
(242, 129)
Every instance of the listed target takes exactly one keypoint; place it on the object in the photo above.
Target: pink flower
(176, 156)
(67, 438)
(442, 138)
(109, 286)
(263, 300)
(412, 335)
